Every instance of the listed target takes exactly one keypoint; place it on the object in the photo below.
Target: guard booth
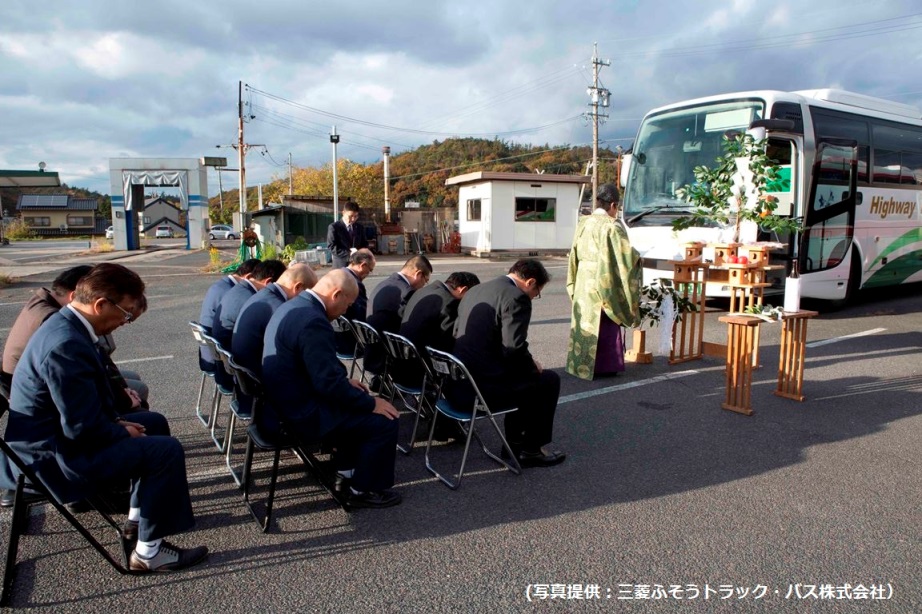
(130, 176)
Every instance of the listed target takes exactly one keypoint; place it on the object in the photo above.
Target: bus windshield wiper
(647, 212)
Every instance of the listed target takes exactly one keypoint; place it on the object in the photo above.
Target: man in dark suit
(388, 301)
(346, 236)
(225, 316)
(491, 340)
(63, 422)
(429, 320)
(213, 297)
(308, 392)
(250, 327)
(361, 265)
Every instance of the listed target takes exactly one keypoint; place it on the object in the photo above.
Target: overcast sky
(82, 82)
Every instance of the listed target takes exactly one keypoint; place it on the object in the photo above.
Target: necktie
(352, 234)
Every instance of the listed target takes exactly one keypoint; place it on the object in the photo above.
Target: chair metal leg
(472, 433)
(215, 407)
(18, 523)
(206, 420)
(237, 476)
(272, 482)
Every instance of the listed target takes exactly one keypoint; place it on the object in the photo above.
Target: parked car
(164, 232)
(221, 231)
(110, 232)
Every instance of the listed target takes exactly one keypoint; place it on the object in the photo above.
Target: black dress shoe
(535, 458)
(541, 458)
(375, 499)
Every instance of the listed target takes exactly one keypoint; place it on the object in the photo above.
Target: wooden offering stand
(690, 278)
(742, 343)
(638, 352)
(791, 360)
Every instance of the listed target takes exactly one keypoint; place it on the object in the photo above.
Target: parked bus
(851, 169)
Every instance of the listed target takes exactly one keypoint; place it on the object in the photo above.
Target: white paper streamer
(666, 320)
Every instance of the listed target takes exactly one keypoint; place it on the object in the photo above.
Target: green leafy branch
(719, 194)
(652, 298)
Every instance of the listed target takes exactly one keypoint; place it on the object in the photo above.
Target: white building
(517, 212)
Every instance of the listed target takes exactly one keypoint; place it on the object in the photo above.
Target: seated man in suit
(213, 297)
(388, 301)
(250, 327)
(63, 423)
(130, 392)
(491, 338)
(309, 394)
(429, 320)
(225, 316)
(346, 236)
(361, 264)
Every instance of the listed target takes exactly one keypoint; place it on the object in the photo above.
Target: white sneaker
(170, 558)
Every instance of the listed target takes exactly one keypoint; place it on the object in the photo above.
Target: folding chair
(402, 354)
(259, 438)
(367, 336)
(449, 368)
(241, 409)
(199, 332)
(219, 393)
(343, 326)
(23, 501)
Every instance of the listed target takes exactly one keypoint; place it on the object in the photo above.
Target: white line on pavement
(600, 391)
(123, 362)
(873, 331)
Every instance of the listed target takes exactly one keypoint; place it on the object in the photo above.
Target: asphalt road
(666, 502)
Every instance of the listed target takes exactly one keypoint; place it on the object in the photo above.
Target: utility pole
(290, 178)
(598, 96)
(387, 180)
(334, 138)
(241, 148)
(220, 191)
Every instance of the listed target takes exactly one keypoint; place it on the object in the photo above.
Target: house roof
(56, 202)
(484, 176)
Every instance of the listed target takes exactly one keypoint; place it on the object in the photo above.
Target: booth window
(473, 210)
(535, 209)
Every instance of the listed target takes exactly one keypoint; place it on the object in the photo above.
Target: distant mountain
(420, 174)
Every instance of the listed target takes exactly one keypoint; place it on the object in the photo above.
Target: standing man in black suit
(346, 236)
(491, 340)
(388, 302)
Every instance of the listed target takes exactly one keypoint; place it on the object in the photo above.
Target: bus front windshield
(670, 145)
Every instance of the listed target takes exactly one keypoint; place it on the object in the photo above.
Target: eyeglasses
(129, 317)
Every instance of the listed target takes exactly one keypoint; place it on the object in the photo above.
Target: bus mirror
(625, 169)
(783, 125)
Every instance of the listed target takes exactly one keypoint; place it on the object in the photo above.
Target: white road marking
(124, 362)
(600, 391)
(873, 331)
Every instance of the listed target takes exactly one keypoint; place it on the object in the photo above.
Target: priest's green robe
(604, 275)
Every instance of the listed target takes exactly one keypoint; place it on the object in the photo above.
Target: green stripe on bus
(896, 271)
(913, 236)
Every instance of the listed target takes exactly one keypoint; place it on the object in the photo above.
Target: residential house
(58, 214)
(161, 212)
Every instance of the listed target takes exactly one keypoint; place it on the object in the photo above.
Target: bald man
(308, 392)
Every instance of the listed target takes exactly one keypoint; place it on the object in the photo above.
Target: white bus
(851, 175)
